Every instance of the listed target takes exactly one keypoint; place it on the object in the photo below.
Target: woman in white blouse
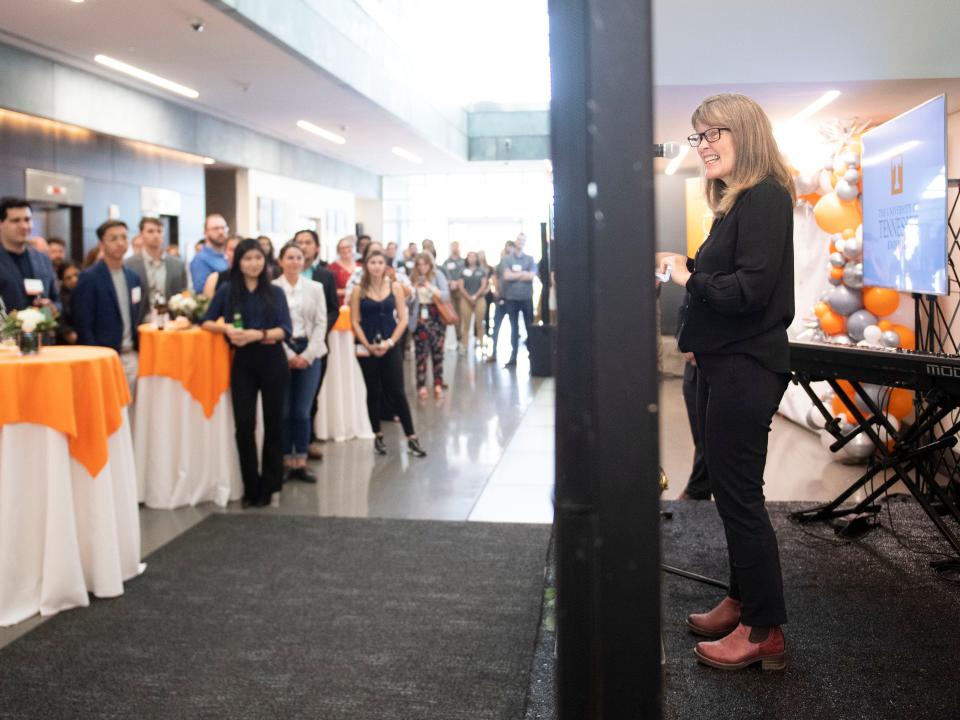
(305, 350)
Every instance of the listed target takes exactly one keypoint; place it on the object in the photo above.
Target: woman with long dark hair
(739, 305)
(253, 315)
(379, 316)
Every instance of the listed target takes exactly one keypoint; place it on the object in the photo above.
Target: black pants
(314, 406)
(383, 377)
(259, 369)
(736, 400)
(698, 485)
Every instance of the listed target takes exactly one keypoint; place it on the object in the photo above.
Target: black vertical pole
(607, 514)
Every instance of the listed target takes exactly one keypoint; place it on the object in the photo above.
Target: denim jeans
(514, 309)
(301, 393)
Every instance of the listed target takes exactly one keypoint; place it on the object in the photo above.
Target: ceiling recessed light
(320, 132)
(209, 161)
(76, 2)
(407, 155)
(147, 76)
(816, 106)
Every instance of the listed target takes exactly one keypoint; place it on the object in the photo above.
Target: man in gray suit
(160, 275)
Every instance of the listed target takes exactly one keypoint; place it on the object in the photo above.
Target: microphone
(667, 150)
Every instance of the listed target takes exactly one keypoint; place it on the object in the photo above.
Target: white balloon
(872, 334)
(838, 244)
(852, 176)
(815, 419)
(851, 158)
(841, 340)
(852, 248)
(828, 163)
(846, 191)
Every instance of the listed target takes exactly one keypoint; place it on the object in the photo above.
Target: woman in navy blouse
(253, 315)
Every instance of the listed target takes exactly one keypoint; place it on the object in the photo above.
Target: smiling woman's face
(719, 158)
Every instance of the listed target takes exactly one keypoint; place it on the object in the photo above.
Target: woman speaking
(740, 303)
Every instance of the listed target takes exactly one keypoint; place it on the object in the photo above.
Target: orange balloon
(840, 410)
(820, 309)
(811, 198)
(834, 215)
(885, 325)
(908, 339)
(836, 273)
(901, 403)
(880, 301)
(832, 323)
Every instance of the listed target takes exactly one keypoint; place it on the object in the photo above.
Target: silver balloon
(860, 448)
(828, 164)
(846, 191)
(841, 340)
(815, 419)
(839, 244)
(857, 323)
(808, 183)
(837, 259)
(843, 300)
(852, 176)
(890, 338)
(852, 248)
(853, 275)
(851, 158)
(834, 280)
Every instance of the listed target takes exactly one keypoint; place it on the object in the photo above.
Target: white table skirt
(342, 404)
(63, 534)
(183, 457)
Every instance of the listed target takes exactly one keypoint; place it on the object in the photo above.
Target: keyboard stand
(904, 459)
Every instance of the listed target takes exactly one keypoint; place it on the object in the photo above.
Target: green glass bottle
(238, 320)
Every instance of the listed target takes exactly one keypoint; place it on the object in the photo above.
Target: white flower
(29, 319)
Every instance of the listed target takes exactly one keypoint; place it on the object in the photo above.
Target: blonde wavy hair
(757, 154)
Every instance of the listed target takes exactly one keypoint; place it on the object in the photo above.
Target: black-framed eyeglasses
(711, 135)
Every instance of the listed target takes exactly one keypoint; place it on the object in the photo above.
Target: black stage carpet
(291, 617)
(874, 634)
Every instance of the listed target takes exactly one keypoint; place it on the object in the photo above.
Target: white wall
(370, 213)
(297, 205)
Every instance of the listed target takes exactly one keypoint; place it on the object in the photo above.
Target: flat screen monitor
(904, 166)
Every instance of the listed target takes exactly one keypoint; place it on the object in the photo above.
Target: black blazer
(325, 277)
(96, 311)
(11, 288)
(740, 295)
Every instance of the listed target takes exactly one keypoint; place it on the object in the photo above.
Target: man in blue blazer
(26, 274)
(106, 303)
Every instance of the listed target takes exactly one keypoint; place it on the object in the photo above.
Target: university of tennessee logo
(896, 175)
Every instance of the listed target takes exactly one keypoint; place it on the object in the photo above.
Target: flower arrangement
(28, 320)
(27, 326)
(187, 305)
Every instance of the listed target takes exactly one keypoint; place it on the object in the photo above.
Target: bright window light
(407, 155)
(675, 163)
(320, 132)
(147, 76)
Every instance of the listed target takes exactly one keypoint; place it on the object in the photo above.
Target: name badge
(33, 286)
(517, 267)
(135, 295)
(451, 265)
(468, 272)
(424, 312)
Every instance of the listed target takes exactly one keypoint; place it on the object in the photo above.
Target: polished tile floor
(490, 444)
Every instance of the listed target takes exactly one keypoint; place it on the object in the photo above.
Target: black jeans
(698, 484)
(259, 369)
(515, 308)
(736, 400)
(383, 377)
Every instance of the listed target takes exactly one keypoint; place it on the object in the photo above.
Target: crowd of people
(276, 311)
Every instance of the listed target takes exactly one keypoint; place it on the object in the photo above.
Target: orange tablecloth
(198, 359)
(79, 391)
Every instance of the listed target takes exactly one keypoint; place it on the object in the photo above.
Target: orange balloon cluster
(897, 402)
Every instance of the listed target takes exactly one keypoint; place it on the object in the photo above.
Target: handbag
(446, 312)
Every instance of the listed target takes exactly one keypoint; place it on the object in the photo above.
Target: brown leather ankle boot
(718, 622)
(736, 651)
